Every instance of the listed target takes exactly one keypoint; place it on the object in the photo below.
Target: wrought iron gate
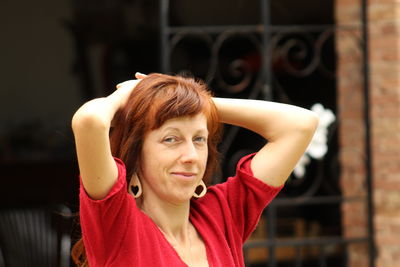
(302, 227)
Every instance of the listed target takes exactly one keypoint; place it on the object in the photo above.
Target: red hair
(156, 99)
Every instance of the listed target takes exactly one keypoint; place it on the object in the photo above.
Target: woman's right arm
(91, 126)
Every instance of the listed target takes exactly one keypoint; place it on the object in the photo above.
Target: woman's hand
(124, 89)
(132, 83)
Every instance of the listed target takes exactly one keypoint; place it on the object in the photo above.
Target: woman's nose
(189, 152)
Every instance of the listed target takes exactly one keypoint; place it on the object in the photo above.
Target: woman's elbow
(310, 122)
(84, 120)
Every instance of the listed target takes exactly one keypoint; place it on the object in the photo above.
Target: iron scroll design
(230, 61)
(289, 64)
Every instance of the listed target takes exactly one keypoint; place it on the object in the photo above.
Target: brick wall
(352, 129)
(384, 25)
(384, 41)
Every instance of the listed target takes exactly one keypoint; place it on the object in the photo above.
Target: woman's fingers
(139, 75)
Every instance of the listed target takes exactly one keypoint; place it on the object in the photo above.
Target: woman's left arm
(288, 129)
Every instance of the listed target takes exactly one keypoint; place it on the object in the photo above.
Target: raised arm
(91, 126)
(287, 128)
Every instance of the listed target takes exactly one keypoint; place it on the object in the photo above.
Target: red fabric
(117, 233)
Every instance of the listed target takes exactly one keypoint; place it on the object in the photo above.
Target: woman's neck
(172, 219)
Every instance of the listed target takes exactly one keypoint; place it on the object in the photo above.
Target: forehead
(198, 122)
(186, 124)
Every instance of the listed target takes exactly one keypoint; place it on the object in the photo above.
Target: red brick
(372, 2)
(383, 12)
(385, 47)
(384, 28)
(387, 202)
(348, 15)
(346, 3)
(383, 70)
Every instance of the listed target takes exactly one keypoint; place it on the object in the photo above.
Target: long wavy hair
(156, 99)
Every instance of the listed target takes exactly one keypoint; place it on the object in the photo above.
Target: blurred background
(340, 58)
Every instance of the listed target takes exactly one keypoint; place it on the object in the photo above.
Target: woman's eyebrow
(170, 128)
(176, 129)
(202, 131)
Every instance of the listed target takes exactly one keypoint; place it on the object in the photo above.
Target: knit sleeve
(239, 202)
(105, 221)
(248, 197)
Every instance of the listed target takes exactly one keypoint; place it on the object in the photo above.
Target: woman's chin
(181, 198)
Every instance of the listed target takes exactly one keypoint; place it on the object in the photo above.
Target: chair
(33, 237)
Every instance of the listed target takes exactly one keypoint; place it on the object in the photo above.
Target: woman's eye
(200, 139)
(170, 140)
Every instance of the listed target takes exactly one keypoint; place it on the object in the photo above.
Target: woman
(143, 201)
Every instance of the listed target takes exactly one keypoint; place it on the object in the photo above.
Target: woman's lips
(184, 175)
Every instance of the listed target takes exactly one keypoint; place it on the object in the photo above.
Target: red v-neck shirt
(117, 233)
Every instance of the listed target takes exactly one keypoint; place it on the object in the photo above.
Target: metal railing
(265, 61)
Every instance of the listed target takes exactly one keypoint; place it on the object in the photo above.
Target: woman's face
(174, 158)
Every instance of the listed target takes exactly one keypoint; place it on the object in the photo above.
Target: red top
(117, 233)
